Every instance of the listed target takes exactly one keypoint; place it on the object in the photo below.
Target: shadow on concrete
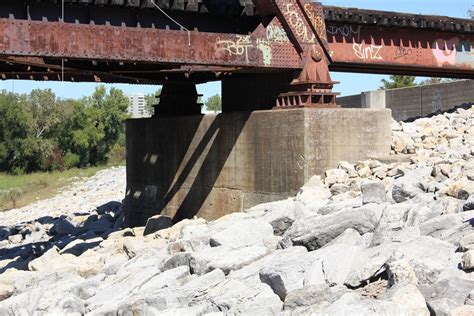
(153, 185)
(144, 197)
(221, 147)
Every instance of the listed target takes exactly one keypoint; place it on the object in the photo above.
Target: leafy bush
(116, 155)
(39, 132)
(71, 160)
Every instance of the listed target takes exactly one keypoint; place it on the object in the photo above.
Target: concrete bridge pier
(211, 165)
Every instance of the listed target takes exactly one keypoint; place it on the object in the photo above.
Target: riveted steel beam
(359, 48)
(155, 46)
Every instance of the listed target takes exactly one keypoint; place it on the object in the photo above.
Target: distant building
(137, 105)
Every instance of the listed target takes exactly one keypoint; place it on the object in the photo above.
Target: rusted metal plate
(358, 46)
(54, 39)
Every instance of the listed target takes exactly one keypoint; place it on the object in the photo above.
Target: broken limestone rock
(373, 192)
(446, 295)
(467, 261)
(157, 223)
(316, 231)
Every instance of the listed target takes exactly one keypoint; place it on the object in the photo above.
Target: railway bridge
(280, 123)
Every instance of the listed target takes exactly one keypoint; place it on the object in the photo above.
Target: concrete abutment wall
(212, 165)
(409, 103)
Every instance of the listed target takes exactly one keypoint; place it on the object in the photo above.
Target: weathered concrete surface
(212, 165)
(409, 103)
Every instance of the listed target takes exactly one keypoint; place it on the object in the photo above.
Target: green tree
(20, 148)
(94, 128)
(40, 132)
(151, 100)
(398, 82)
(214, 103)
(43, 108)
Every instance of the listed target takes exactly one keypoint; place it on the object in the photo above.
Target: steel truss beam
(357, 48)
(156, 46)
(292, 37)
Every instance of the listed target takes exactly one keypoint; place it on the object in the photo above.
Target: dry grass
(21, 190)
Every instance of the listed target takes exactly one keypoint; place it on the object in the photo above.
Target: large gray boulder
(224, 258)
(410, 185)
(251, 273)
(446, 295)
(373, 192)
(60, 298)
(315, 191)
(352, 304)
(424, 211)
(394, 234)
(400, 272)
(336, 206)
(64, 226)
(156, 223)
(280, 214)
(4, 233)
(184, 245)
(469, 204)
(133, 246)
(242, 233)
(234, 297)
(467, 242)
(142, 275)
(451, 227)
(428, 256)
(467, 261)
(316, 231)
(312, 299)
(286, 273)
(409, 298)
(172, 298)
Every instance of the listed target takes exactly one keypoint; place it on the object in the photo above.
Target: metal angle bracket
(305, 26)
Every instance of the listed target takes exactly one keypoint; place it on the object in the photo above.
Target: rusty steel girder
(368, 49)
(122, 44)
(295, 37)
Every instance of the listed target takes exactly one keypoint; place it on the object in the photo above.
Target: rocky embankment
(392, 237)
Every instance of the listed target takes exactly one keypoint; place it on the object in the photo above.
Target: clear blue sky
(350, 83)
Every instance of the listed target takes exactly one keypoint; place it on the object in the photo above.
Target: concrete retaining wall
(212, 165)
(413, 102)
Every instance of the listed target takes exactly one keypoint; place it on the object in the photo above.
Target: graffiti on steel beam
(276, 34)
(238, 47)
(453, 52)
(266, 49)
(445, 52)
(346, 31)
(297, 24)
(465, 56)
(403, 52)
(243, 44)
(318, 22)
(367, 52)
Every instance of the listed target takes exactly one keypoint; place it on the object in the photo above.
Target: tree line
(40, 132)
(397, 81)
